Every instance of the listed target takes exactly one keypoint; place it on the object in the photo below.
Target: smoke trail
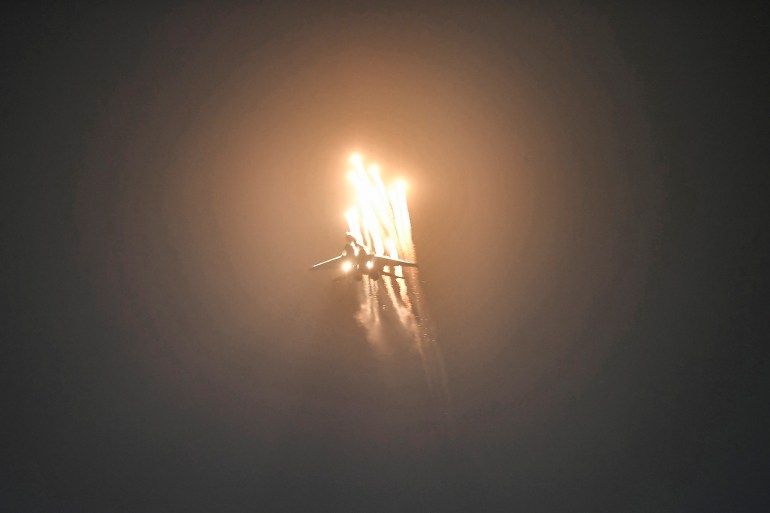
(392, 307)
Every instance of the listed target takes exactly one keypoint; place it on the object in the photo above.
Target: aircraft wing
(383, 260)
(327, 264)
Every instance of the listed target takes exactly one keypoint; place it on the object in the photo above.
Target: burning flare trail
(390, 307)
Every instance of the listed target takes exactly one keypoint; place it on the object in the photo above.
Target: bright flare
(380, 217)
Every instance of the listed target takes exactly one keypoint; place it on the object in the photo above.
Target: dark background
(587, 189)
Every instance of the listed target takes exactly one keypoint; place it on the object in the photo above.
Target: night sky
(587, 189)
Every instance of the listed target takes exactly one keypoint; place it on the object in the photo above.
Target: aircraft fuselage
(356, 261)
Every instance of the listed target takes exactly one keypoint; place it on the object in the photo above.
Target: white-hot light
(379, 219)
(346, 266)
(380, 213)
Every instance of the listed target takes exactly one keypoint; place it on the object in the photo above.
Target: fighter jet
(356, 261)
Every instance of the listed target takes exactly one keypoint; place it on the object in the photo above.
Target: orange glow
(380, 217)
(393, 253)
(354, 226)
